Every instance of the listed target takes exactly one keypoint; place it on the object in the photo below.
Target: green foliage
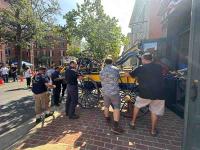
(101, 32)
(74, 48)
(25, 21)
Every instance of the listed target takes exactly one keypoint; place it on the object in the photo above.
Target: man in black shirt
(57, 80)
(71, 77)
(151, 90)
(14, 72)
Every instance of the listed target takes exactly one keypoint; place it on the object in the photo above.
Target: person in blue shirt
(57, 81)
(40, 84)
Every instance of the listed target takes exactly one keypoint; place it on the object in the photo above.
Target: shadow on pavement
(91, 132)
(64, 134)
(15, 113)
(18, 89)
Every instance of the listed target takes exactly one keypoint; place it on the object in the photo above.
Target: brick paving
(91, 132)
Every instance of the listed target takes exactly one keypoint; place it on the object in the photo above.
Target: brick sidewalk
(91, 132)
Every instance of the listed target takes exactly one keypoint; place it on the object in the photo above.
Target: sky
(121, 9)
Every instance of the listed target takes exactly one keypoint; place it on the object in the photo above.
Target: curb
(9, 138)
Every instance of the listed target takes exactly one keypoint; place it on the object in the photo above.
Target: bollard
(21, 79)
(1, 82)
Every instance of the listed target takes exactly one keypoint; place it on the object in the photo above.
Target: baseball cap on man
(108, 61)
(147, 56)
(42, 68)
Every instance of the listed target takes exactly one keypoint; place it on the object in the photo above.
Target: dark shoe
(132, 126)
(108, 119)
(117, 130)
(57, 105)
(154, 133)
(49, 114)
(38, 120)
(66, 114)
(74, 117)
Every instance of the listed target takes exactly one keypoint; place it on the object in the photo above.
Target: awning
(23, 62)
(27, 63)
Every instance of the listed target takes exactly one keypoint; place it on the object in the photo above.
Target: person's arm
(47, 83)
(133, 73)
(50, 86)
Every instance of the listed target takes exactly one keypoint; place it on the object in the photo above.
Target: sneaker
(132, 126)
(57, 105)
(154, 133)
(117, 130)
(38, 120)
(74, 117)
(49, 114)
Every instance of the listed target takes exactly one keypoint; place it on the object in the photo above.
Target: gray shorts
(114, 99)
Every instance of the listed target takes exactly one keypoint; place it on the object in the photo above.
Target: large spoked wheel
(127, 104)
(88, 94)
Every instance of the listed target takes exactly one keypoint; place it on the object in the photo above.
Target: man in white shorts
(151, 91)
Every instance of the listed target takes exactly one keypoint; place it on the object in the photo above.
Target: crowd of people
(54, 79)
(61, 80)
(149, 77)
(151, 91)
(8, 71)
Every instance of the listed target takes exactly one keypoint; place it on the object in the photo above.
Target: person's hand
(51, 86)
(126, 74)
(80, 77)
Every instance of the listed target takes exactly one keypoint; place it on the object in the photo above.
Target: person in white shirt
(4, 72)
(49, 72)
(28, 75)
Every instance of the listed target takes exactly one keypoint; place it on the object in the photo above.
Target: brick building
(3, 5)
(53, 53)
(145, 23)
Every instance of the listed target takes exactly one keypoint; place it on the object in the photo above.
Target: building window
(27, 54)
(44, 52)
(51, 53)
(8, 51)
(1, 56)
(48, 53)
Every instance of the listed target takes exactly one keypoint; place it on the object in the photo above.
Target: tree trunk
(19, 58)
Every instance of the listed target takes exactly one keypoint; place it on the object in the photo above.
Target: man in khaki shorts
(41, 95)
(151, 90)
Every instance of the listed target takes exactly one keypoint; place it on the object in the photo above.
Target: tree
(101, 32)
(25, 21)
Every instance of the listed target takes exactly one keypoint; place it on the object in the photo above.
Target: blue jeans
(5, 78)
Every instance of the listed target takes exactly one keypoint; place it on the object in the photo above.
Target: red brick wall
(56, 53)
(3, 4)
(155, 26)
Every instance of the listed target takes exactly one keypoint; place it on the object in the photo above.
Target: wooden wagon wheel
(128, 98)
(88, 93)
